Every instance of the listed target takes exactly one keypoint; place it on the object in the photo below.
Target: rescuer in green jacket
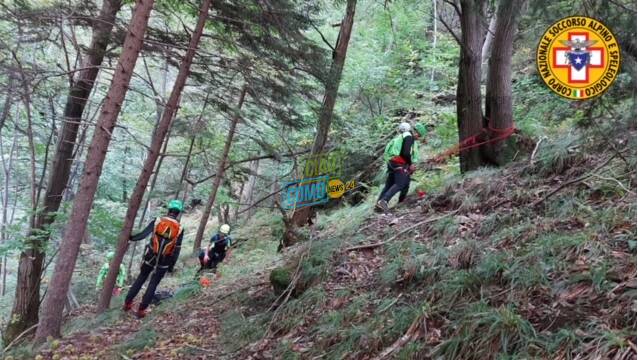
(401, 154)
(104, 270)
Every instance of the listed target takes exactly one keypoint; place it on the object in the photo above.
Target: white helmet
(224, 229)
(404, 127)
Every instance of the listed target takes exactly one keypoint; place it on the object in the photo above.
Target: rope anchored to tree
(474, 141)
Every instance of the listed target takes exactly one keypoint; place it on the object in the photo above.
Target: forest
(318, 179)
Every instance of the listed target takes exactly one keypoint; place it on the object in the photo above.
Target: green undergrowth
(91, 321)
(145, 337)
(502, 278)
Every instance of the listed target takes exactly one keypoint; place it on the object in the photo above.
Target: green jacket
(393, 148)
(119, 282)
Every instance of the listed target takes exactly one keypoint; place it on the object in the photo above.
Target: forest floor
(535, 260)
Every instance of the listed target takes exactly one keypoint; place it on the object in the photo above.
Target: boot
(127, 305)
(141, 313)
(383, 206)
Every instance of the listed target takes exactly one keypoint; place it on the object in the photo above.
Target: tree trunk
(153, 153)
(77, 166)
(239, 197)
(7, 166)
(185, 168)
(468, 93)
(498, 98)
(219, 175)
(45, 161)
(160, 161)
(51, 319)
(486, 50)
(301, 216)
(249, 191)
(7, 102)
(226, 208)
(26, 304)
(139, 225)
(124, 186)
(220, 214)
(26, 99)
(434, 36)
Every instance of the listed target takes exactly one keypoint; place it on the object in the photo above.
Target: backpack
(165, 236)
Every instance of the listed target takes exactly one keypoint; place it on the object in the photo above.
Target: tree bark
(219, 175)
(153, 153)
(26, 304)
(434, 36)
(26, 100)
(240, 194)
(124, 186)
(7, 166)
(45, 161)
(185, 168)
(486, 50)
(160, 161)
(147, 203)
(498, 98)
(7, 103)
(249, 191)
(468, 93)
(51, 319)
(220, 214)
(302, 215)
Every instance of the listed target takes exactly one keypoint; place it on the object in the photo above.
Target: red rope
(473, 142)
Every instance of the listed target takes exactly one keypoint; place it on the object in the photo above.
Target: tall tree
(468, 92)
(153, 153)
(51, 319)
(302, 215)
(219, 175)
(8, 168)
(249, 191)
(27, 297)
(498, 96)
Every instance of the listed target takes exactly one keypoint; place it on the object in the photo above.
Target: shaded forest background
(261, 72)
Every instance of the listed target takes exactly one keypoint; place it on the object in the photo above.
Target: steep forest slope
(535, 260)
(532, 259)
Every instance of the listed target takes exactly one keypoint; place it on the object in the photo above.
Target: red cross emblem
(574, 76)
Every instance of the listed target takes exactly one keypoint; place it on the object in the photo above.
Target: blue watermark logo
(305, 192)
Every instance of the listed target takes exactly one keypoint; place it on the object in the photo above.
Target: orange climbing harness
(474, 142)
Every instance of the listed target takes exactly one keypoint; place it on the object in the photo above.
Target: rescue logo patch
(578, 57)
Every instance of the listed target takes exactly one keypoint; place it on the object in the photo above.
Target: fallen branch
(531, 159)
(18, 338)
(580, 179)
(374, 245)
(614, 180)
(390, 304)
(241, 289)
(208, 351)
(410, 335)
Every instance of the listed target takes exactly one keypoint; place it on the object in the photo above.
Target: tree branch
(323, 37)
(458, 40)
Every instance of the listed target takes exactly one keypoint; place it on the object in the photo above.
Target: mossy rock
(280, 279)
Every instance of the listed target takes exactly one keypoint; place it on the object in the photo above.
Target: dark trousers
(214, 258)
(145, 271)
(398, 180)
